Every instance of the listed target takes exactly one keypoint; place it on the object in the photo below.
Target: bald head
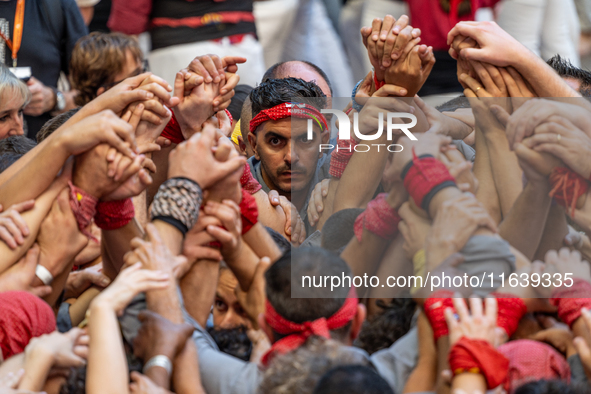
(309, 72)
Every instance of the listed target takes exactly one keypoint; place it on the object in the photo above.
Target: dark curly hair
(277, 91)
(386, 328)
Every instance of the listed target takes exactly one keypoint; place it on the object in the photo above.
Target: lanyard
(17, 35)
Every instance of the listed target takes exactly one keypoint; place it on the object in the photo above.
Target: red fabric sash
(567, 187)
(425, 174)
(111, 215)
(378, 218)
(510, 311)
(248, 182)
(249, 211)
(570, 300)
(434, 308)
(84, 208)
(477, 356)
(340, 157)
(286, 110)
(300, 332)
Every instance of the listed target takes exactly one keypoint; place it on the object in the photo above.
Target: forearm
(423, 377)
(487, 190)
(361, 177)
(506, 172)
(166, 302)
(261, 243)
(33, 218)
(243, 264)
(186, 378)
(524, 225)
(554, 232)
(39, 167)
(106, 357)
(542, 78)
(38, 363)
(469, 383)
(198, 287)
(117, 242)
(171, 236)
(57, 286)
(79, 306)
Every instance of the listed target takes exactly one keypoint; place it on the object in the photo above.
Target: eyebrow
(22, 108)
(273, 134)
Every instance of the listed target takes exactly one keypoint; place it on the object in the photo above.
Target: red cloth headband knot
(300, 332)
(286, 110)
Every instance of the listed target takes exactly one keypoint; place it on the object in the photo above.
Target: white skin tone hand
(13, 228)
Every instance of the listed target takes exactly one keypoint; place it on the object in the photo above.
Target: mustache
(291, 167)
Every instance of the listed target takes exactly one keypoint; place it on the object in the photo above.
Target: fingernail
(275, 199)
(374, 37)
(383, 37)
(150, 95)
(318, 207)
(395, 56)
(403, 92)
(105, 282)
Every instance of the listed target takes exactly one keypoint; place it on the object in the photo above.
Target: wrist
(53, 100)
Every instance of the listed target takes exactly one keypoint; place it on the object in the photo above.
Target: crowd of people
(185, 237)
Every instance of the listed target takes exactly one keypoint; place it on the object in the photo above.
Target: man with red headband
(294, 312)
(284, 158)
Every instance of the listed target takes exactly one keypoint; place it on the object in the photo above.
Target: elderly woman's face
(11, 115)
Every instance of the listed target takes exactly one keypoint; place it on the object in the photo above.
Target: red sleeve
(130, 16)
(488, 3)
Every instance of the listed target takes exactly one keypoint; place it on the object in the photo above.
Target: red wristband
(478, 356)
(249, 211)
(567, 187)
(510, 311)
(378, 218)
(425, 175)
(111, 215)
(340, 157)
(229, 115)
(248, 182)
(172, 131)
(83, 207)
(570, 300)
(434, 308)
(378, 84)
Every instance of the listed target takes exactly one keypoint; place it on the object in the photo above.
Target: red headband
(286, 110)
(300, 332)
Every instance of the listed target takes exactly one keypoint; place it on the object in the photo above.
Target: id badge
(22, 73)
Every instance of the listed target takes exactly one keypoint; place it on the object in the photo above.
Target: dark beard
(232, 341)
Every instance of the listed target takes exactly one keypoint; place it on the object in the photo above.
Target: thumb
(274, 197)
(41, 291)
(501, 115)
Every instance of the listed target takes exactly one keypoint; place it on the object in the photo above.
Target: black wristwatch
(60, 101)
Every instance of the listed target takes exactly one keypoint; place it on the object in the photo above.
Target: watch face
(61, 101)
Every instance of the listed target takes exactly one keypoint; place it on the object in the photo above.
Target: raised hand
(130, 282)
(20, 276)
(194, 159)
(13, 228)
(474, 324)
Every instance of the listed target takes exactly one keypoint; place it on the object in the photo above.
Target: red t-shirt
(435, 23)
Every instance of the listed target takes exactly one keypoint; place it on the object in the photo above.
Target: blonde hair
(10, 86)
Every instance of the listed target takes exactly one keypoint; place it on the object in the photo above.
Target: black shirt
(47, 42)
(183, 12)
